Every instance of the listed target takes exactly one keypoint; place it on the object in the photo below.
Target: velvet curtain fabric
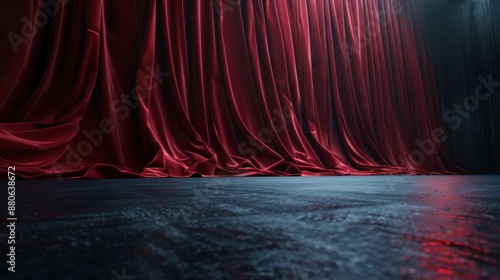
(465, 41)
(180, 88)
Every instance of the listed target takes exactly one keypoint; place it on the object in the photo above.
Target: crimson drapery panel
(179, 88)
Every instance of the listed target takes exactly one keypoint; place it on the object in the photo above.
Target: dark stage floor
(402, 227)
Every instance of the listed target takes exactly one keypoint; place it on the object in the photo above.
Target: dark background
(465, 41)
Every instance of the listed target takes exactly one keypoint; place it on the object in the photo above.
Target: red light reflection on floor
(446, 240)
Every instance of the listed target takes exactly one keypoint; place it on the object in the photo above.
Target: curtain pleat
(164, 88)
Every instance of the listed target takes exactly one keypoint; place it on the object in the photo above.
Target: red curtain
(241, 87)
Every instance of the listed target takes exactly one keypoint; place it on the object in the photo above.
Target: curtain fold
(187, 88)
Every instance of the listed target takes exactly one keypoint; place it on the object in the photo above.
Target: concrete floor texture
(377, 227)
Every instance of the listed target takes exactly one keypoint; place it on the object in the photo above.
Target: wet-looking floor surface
(379, 227)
